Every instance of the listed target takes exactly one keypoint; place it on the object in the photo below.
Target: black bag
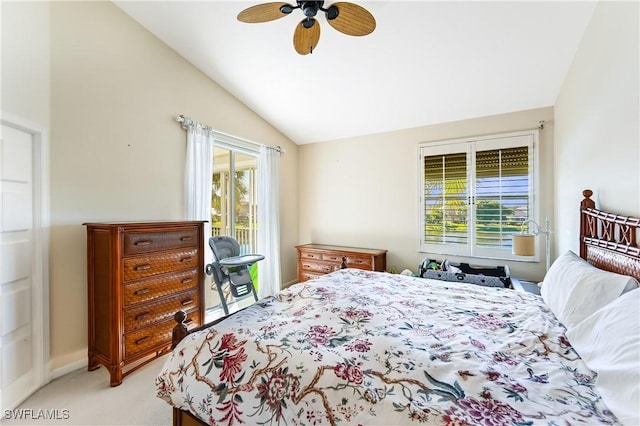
(486, 276)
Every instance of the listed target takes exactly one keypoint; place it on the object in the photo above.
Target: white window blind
(476, 193)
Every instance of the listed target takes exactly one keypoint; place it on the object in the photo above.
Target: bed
(362, 347)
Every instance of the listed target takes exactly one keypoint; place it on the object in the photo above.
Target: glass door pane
(233, 205)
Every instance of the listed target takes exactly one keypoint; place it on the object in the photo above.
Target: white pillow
(574, 289)
(609, 343)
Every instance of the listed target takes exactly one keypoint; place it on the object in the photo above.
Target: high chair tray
(241, 260)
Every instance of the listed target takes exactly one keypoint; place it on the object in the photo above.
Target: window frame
(470, 146)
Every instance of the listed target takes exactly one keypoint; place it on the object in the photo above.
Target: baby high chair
(229, 267)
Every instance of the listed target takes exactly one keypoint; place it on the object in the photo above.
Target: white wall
(363, 191)
(597, 143)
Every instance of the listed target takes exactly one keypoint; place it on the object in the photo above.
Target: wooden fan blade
(262, 13)
(353, 19)
(305, 39)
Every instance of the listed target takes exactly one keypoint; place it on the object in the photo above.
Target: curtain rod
(187, 121)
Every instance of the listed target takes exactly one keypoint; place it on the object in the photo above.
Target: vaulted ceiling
(426, 62)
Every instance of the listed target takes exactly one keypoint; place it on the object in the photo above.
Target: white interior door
(21, 275)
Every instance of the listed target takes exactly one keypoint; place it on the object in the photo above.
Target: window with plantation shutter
(445, 195)
(476, 193)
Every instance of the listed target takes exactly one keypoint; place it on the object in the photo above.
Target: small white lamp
(525, 244)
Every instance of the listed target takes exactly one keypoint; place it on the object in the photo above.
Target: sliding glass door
(234, 202)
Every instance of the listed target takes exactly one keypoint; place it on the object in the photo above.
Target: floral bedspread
(366, 348)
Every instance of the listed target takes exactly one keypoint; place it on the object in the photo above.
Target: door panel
(16, 306)
(16, 207)
(20, 342)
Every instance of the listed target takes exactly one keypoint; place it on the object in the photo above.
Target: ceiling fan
(348, 18)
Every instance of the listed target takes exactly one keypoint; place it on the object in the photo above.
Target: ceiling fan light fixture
(310, 8)
(332, 12)
(309, 22)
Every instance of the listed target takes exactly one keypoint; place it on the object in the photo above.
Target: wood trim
(607, 240)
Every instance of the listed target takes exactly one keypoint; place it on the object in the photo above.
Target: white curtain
(198, 172)
(269, 221)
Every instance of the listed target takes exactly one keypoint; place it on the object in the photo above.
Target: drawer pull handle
(186, 259)
(142, 340)
(141, 291)
(142, 243)
(187, 238)
(142, 315)
(142, 267)
(186, 280)
(189, 321)
(186, 302)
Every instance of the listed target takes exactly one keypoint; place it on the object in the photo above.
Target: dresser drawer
(159, 311)
(311, 255)
(152, 288)
(360, 262)
(148, 242)
(333, 257)
(306, 275)
(146, 266)
(155, 335)
(323, 267)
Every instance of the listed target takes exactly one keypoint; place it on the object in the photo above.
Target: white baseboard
(69, 368)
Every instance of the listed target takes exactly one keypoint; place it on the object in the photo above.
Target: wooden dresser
(139, 275)
(318, 259)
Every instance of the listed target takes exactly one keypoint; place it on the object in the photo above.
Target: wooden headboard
(607, 240)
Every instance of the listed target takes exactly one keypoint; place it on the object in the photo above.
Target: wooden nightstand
(525, 286)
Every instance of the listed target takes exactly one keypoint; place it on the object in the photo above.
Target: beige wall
(25, 60)
(597, 121)
(117, 152)
(363, 191)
